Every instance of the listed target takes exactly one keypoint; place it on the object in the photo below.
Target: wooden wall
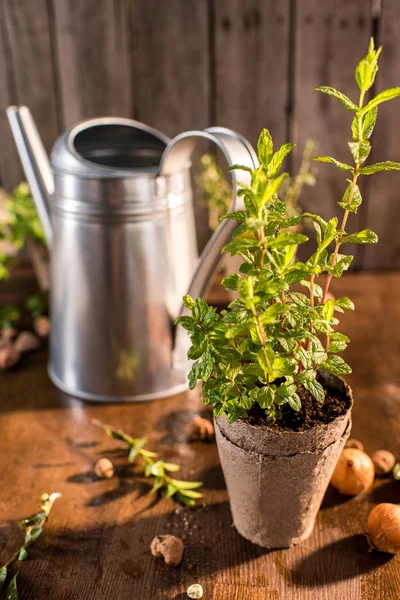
(183, 64)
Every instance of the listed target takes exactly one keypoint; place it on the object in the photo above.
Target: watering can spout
(35, 163)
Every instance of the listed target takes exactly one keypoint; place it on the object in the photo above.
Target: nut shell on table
(354, 443)
(26, 342)
(384, 462)
(104, 468)
(169, 547)
(42, 326)
(8, 357)
(199, 428)
(195, 591)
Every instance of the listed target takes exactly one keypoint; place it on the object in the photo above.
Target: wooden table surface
(96, 544)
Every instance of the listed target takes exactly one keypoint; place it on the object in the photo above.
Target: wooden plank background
(186, 64)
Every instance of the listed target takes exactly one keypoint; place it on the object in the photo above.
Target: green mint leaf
(277, 160)
(265, 358)
(158, 484)
(231, 282)
(328, 310)
(336, 365)
(343, 262)
(187, 323)
(286, 238)
(368, 121)
(340, 165)
(367, 68)
(190, 494)
(345, 302)
(294, 402)
(286, 390)
(186, 485)
(12, 592)
(23, 554)
(388, 165)
(339, 96)
(265, 148)
(315, 388)
(282, 367)
(360, 150)
(240, 168)
(366, 236)
(237, 215)
(317, 288)
(382, 97)
(356, 199)
(3, 576)
(170, 491)
(272, 314)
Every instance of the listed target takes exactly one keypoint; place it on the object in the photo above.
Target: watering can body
(116, 206)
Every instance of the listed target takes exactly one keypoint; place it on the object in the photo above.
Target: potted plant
(270, 365)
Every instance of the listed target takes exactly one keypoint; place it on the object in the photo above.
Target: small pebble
(195, 591)
(199, 429)
(384, 462)
(8, 357)
(354, 443)
(7, 334)
(104, 468)
(42, 326)
(169, 547)
(26, 342)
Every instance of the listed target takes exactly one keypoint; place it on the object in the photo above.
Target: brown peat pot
(276, 480)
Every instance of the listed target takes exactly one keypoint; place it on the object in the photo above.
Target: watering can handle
(237, 151)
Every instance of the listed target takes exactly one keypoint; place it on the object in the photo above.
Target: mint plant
(274, 338)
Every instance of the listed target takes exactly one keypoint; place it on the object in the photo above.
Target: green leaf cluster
(274, 338)
(33, 527)
(22, 222)
(184, 491)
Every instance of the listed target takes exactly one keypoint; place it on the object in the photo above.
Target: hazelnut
(104, 468)
(26, 342)
(7, 334)
(354, 443)
(168, 546)
(42, 326)
(384, 462)
(8, 357)
(199, 429)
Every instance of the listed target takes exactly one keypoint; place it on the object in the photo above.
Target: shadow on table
(338, 561)
(119, 552)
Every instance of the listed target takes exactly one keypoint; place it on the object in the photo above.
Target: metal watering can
(116, 207)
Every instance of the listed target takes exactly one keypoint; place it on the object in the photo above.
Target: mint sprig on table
(274, 339)
(33, 527)
(184, 491)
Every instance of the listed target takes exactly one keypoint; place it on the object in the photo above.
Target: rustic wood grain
(96, 544)
(27, 76)
(172, 74)
(331, 38)
(383, 192)
(92, 41)
(251, 66)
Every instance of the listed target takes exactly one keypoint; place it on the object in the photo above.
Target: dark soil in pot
(277, 476)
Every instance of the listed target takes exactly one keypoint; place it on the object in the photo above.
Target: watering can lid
(108, 147)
